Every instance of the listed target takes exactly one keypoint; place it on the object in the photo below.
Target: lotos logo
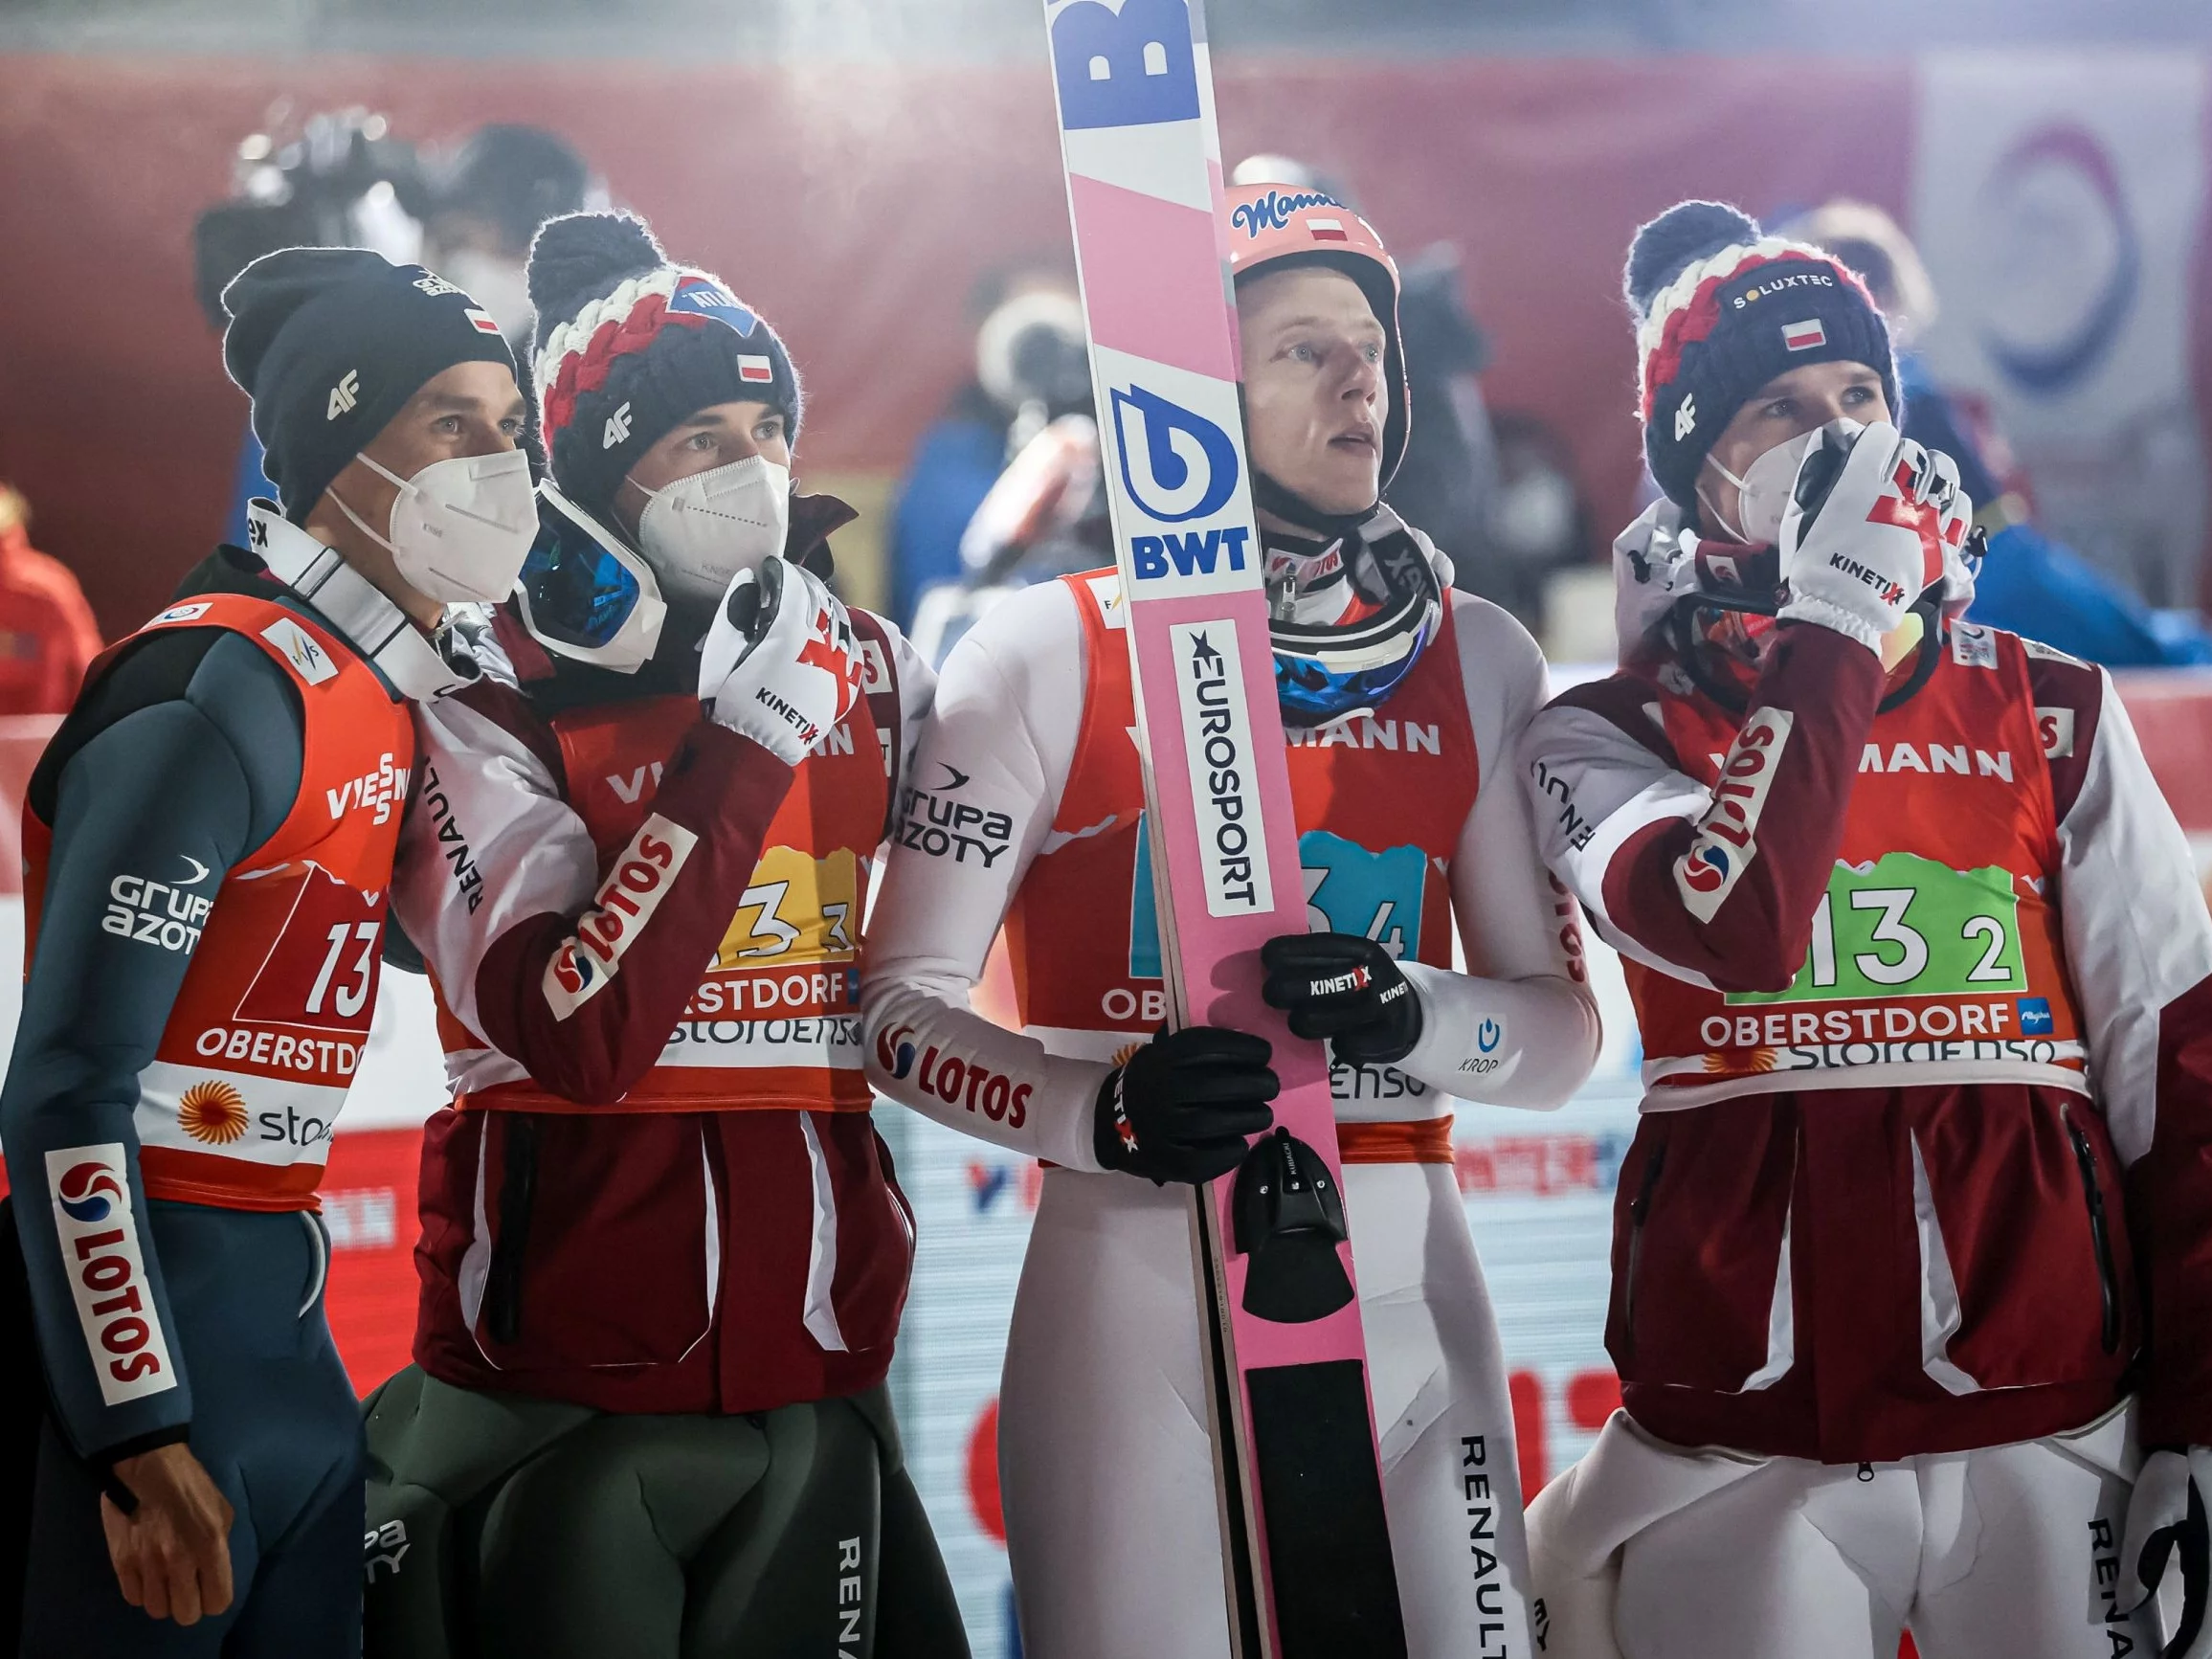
(895, 1049)
(1273, 211)
(85, 1189)
(99, 1253)
(1175, 464)
(1705, 869)
(954, 1081)
(635, 883)
(1725, 844)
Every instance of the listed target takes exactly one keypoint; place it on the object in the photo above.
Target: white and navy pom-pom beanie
(628, 345)
(1721, 308)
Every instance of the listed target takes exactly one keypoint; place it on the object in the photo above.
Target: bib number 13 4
(1910, 927)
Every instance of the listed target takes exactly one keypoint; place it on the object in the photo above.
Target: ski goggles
(584, 595)
(1326, 674)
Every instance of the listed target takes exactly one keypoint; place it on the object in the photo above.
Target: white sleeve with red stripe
(1009, 707)
(1520, 1027)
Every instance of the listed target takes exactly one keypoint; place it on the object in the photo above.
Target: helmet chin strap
(1274, 497)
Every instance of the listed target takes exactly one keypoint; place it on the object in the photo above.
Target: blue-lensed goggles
(583, 593)
(1326, 673)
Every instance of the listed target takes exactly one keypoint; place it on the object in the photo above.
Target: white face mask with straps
(700, 531)
(461, 527)
(1763, 492)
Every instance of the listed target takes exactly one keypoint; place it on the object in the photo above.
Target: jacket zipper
(1639, 1212)
(2100, 1234)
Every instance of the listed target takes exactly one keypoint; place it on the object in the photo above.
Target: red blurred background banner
(856, 206)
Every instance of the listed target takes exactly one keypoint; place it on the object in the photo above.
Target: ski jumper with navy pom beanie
(662, 1245)
(1915, 1224)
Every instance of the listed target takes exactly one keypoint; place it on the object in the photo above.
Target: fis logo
(343, 395)
(100, 1250)
(617, 428)
(297, 647)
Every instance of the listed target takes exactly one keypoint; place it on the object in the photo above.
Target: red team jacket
(658, 1190)
(1927, 1155)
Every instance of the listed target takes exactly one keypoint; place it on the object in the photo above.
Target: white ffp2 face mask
(700, 530)
(1763, 492)
(461, 527)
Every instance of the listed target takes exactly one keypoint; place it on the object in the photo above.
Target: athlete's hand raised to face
(1344, 988)
(173, 1552)
(1182, 1108)
(780, 664)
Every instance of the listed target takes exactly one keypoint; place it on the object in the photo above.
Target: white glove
(1866, 529)
(780, 664)
(2166, 1527)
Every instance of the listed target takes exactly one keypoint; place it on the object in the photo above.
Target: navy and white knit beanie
(1721, 308)
(629, 345)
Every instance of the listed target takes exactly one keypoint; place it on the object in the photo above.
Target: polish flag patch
(758, 369)
(483, 320)
(1805, 336)
(1327, 229)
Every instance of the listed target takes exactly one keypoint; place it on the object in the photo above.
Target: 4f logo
(1685, 418)
(617, 428)
(343, 395)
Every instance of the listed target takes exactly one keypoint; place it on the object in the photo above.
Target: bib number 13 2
(1910, 927)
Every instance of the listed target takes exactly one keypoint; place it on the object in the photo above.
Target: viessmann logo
(90, 1192)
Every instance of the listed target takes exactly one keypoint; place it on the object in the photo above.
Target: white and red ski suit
(1026, 809)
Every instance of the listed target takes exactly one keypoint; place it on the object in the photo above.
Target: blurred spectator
(2028, 584)
(47, 631)
(481, 204)
(1031, 367)
(467, 213)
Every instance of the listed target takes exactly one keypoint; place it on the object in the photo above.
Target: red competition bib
(237, 1106)
(1936, 955)
(775, 1022)
(1380, 805)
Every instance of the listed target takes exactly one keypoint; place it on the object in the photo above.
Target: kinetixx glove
(1182, 1106)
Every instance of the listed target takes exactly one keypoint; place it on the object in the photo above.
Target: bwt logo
(1176, 466)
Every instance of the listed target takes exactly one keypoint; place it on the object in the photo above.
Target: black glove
(1183, 1106)
(1347, 989)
